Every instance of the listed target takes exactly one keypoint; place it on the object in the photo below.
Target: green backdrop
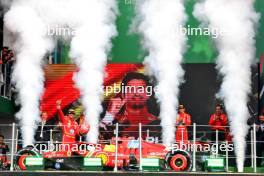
(127, 47)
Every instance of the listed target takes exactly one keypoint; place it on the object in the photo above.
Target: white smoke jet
(92, 23)
(28, 76)
(89, 49)
(159, 24)
(236, 53)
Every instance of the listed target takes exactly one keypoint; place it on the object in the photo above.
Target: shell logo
(104, 157)
(109, 148)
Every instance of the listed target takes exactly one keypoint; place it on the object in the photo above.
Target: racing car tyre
(19, 162)
(179, 161)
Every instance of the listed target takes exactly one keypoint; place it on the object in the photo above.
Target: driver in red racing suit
(70, 128)
(183, 120)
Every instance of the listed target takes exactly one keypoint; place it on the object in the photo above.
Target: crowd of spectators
(6, 66)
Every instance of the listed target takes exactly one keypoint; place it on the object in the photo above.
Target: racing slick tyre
(179, 160)
(20, 158)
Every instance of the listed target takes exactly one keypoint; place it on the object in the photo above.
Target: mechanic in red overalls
(130, 108)
(183, 120)
(218, 122)
(70, 128)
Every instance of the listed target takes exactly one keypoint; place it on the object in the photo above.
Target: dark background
(201, 84)
(198, 92)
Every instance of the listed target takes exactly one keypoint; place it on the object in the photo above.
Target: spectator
(260, 139)
(6, 67)
(3, 149)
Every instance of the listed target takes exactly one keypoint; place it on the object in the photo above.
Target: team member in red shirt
(183, 120)
(218, 122)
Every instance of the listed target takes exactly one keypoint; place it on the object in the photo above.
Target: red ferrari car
(128, 155)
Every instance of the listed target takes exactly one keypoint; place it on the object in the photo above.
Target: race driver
(70, 128)
(130, 108)
(183, 121)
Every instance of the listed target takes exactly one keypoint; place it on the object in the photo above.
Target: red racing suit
(70, 128)
(183, 120)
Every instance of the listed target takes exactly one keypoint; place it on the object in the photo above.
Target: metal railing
(145, 134)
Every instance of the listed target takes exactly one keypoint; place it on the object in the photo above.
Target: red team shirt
(218, 123)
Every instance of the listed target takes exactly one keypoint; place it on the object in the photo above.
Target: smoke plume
(92, 26)
(30, 48)
(159, 24)
(89, 49)
(236, 19)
